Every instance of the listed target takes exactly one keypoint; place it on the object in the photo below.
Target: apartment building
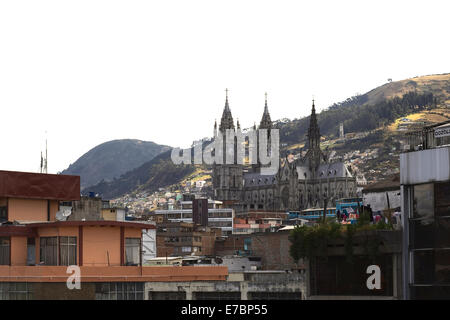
(217, 217)
(36, 248)
(183, 238)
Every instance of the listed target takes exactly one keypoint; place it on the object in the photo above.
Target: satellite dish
(218, 260)
(62, 215)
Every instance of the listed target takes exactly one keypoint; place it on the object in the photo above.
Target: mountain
(438, 85)
(156, 173)
(373, 109)
(113, 158)
(371, 115)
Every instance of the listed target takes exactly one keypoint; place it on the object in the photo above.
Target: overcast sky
(87, 72)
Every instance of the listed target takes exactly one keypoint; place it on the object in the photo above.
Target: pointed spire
(227, 107)
(266, 122)
(227, 119)
(313, 134)
(313, 131)
(237, 124)
(215, 128)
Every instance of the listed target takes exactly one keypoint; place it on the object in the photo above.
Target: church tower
(265, 123)
(227, 177)
(227, 119)
(314, 154)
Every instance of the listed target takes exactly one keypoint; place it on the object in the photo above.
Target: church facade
(300, 183)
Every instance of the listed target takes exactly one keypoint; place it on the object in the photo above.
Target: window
(442, 260)
(3, 209)
(48, 251)
(68, 251)
(132, 251)
(218, 295)
(423, 201)
(421, 233)
(442, 190)
(119, 291)
(423, 266)
(3, 213)
(167, 295)
(5, 247)
(275, 295)
(16, 291)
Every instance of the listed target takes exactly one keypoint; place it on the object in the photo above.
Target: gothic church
(300, 183)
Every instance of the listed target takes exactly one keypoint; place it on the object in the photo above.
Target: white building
(425, 188)
(217, 217)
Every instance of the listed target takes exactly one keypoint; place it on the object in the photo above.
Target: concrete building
(271, 247)
(87, 208)
(113, 214)
(425, 188)
(258, 221)
(217, 217)
(248, 285)
(183, 238)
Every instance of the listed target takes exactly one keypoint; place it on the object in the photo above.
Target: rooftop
(391, 183)
(14, 184)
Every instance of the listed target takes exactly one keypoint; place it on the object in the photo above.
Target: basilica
(301, 182)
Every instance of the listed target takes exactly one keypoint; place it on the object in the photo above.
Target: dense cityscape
(225, 160)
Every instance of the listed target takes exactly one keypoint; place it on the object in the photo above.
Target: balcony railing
(429, 137)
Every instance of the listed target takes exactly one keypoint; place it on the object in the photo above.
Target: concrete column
(244, 290)
(308, 279)
(394, 276)
(189, 295)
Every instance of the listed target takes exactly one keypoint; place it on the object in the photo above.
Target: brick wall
(273, 248)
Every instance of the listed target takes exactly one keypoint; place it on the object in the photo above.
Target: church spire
(215, 128)
(314, 154)
(227, 119)
(227, 107)
(313, 130)
(266, 122)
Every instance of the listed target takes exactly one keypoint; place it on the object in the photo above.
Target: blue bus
(313, 214)
(354, 203)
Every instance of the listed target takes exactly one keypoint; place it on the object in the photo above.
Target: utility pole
(325, 200)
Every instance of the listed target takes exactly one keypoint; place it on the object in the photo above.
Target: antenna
(46, 156)
(44, 164)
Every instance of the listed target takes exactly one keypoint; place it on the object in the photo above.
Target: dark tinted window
(423, 267)
(442, 259)
(423, 201)
(5, 247)
(422, 233)
(442, 233)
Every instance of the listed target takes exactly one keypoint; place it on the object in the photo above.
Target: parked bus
(313, 214)
(354, 203)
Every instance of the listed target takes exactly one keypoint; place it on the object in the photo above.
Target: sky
(80, 73)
